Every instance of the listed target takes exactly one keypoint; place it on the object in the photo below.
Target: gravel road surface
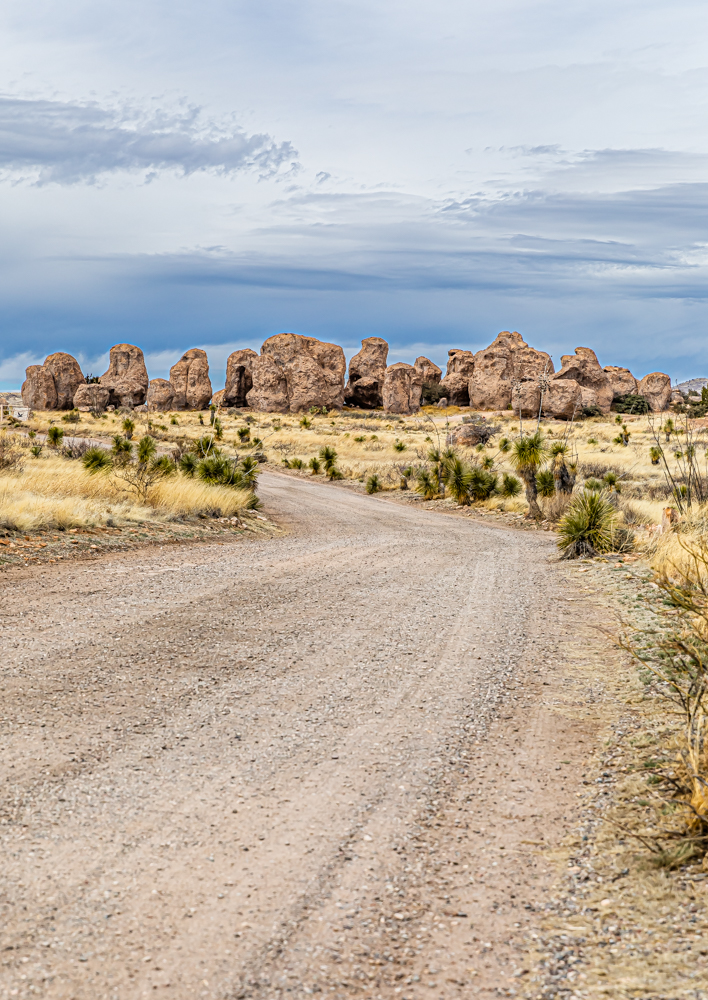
(272, 768)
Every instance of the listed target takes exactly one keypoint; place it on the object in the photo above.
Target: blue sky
(178, 175)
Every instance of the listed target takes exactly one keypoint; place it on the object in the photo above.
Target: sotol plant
(526, 455)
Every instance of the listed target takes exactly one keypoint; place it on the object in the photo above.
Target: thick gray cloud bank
(462, 168)
(55, 141)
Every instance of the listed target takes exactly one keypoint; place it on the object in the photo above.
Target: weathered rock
(584, 368)
(429, 371)
(460, 363)
(190, 381)
(366, 374)
(528, 399)
(294, 373)
(160, 395)
(38, 390)
(402, 388)
(127, 378)
(217, 399)
(456, 385)
(655, 388)
(442, 403)
(239, 377)
(67, 378)
(562, 399)
(506, 360)
(622, 381)
(468, 435)
(91, 397)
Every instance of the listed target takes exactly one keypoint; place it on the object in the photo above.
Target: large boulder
(295, 373)
(563, 399)
(67, 378)
(430, 373)
(402, 388)
(217, 399)
(239, 377)
(622, 381)
(460, 363)
(366, 374)
(91, 396)
(190, 381)
(39, 391)
(127, 378)
(595, 385)
(160, 395)
(457, 388)
(508, 359)
(655, 388)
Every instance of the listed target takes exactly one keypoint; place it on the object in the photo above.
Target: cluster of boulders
(294, 373)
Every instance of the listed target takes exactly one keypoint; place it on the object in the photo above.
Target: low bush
(545, 483)
(96, 460)
(631, 403)
(373, 484)
(510, 486)
(590, 526)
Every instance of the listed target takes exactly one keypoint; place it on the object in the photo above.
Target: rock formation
(506, 360)
(655, 388)
(622, 381)
(160, 395)
(429, 371)
(402, 388)
(294, 373)
(563, 399)
(127, 378)
(366, 374)
(190, 382)
(218, 398)
(91, 396)
(51, 386)
(460, 363)
(456, 386)
(239, 377)
(67, 378)
(38, 390)
(584, 368)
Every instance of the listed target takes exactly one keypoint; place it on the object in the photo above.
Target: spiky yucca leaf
(588, 526)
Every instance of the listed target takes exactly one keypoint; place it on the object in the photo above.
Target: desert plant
(592, 484)
(426, 484)
(305, 423)
(188, 464)
(611, 481)
(72, 417)
(315, 465)
(174, 421)
(10, 454)
(128, 428)
(482, 484)
(588, 526)
(373, 484)
(212, 413)
(96, 460)
(510, 486)
(244, 433)
(458, 478)
(204, 446)
(146, 449)
(563, 476)
(122, 449)
(335, 473)
(545, 483)
(55, 436)
(296, 463)
(399, 445)
(36, 450)
(623, 437)
(631, 403)
(328, 457)
(655, 454)
(217, 469)
(504, 445)
(218, 429)
(526, 456)
(201, 418)
(668, 429)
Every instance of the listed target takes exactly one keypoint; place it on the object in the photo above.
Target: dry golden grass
(55, 492)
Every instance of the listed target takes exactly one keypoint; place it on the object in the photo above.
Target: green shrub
(164, 465)
(482, 484)
(504, 445)
(592, 484)
(590, 527)
(631, 403)
(188, 464)
(174, 421)
(426, 485)
(655, 455)
(128, 428)
(328, 457)
(146, 449)
(36, 450)
(244, 433)
(96, 459)
(315, 465)
(305, 423)
(399, 445)
(545, 483)
(373, 484)
(296, 463)
(72, 417)
(510, 487)
(334, 473)
(458, 478)
(55, 436)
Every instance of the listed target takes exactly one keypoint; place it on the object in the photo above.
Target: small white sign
(20, 412)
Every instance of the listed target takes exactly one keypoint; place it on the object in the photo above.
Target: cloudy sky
(431, 171)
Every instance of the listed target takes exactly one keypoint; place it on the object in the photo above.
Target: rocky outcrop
(506, 360)
(563, 399)
(239, 377)
(127, 378)
(584, 368)
(460, 363)
(38, 390)
(655, 388)
(402, 389)
(622, 381)
(429, 371)
(456, 386)
(160, 396)
(91, 397)
(67, 378)
(217, 399)
(366, 374)
(190, 381)
(294, 373)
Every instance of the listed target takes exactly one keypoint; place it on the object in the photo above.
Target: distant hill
(692, 385)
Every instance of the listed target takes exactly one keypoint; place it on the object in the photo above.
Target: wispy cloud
(65, 143)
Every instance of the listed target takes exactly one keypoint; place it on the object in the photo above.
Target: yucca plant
(96, 459)
(373, 484)
(655, 454)
(588, 526)
(510, 486)
(426, 484)
(188, 464)
(55, 436)
(592, 484)
(244, 433)
(328, 457)
(399, 446)
(458, 478)
(315, 465)
(305, 423)
(36, 450)
(249, 468)
(504, 445)
(128, 428)
(545, 483)
(526, 455)
(482, 484)
(122, 449)
(296, 463)
(146, 449)
(216, 470)
(563, 475)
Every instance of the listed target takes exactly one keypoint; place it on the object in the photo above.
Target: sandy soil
(335, 761)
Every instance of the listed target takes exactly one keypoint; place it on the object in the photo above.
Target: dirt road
(321, 763)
